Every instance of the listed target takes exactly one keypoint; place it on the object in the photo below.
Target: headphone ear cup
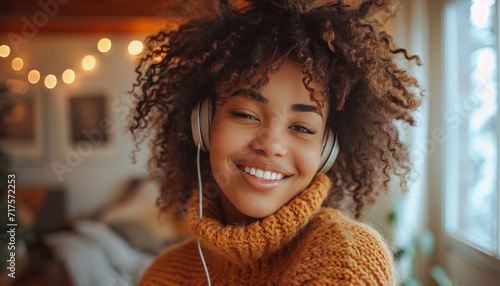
(201, 116)
(330, 151)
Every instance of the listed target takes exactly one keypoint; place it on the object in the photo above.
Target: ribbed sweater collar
(245, 243)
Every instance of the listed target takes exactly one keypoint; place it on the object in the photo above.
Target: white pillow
(140, 207)
(125, 259)
(84, 260)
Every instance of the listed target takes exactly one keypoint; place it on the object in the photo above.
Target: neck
(242, 243)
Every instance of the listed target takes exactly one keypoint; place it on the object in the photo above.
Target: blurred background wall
(51, 37)
(90, 166)
(70, 151)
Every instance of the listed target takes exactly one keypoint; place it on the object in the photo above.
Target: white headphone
(201, 117)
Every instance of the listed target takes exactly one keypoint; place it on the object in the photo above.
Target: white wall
(91, 176)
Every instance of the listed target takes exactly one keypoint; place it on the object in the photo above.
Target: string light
(88, 62)
(50, 81)
(104, 45)
(68, 76)
(4, 51)
(33, 76)
(17, 64)
(135, 47)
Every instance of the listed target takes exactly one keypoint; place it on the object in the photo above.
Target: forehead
(287, 83)
(289, 86)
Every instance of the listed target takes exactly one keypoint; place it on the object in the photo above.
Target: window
(472, 124)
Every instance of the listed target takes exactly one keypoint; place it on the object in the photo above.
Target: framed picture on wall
(21, 125)
(88, 128)
(88, 116)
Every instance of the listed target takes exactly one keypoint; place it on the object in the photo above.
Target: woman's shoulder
(337, 225)
(347, 250)
(332, 226)
(178, 259)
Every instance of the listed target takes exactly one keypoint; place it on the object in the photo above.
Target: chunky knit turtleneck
(301, 243)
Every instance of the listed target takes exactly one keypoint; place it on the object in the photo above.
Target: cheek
(226, 142)
(217, 148)
(308, 160)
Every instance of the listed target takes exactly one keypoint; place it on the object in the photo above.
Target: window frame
(472, 253)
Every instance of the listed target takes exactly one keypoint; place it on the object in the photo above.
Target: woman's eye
(243, 115)
(303, 129)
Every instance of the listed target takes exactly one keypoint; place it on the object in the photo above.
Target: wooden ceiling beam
(126, 25)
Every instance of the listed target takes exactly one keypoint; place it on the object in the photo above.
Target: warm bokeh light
(135, 47)
(4, 51)
(16, 86)
(50, 81)
(34, 76)
(68, 76)
(10, 84)
(17, 113)
(104, 45)
(88, 62)
(157, 55)
(17, 64)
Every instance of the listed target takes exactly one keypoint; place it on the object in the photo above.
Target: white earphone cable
(201, 213)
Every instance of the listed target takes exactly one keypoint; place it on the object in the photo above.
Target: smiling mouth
(261, 174)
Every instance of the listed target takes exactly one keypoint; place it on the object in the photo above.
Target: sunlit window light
(104, 45)
(50, 81)
(88, 62)
(471, 92)
(480, 13)
(135, 47)
(33, 76)
(17, 64)
(68, 76)
(4, 51)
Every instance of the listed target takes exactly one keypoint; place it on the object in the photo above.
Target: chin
(257, 212)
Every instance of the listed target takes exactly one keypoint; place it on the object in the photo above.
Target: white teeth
(267, 175)
(259, 173)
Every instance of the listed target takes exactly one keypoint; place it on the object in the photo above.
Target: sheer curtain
(411, 233)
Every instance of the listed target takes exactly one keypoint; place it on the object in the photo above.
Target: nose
(269, 143)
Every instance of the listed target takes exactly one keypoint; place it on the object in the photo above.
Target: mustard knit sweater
(301, 244)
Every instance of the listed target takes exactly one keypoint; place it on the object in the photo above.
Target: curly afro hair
(342, 47)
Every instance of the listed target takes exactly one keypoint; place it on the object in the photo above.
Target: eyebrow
(253, 95)
(306, 108)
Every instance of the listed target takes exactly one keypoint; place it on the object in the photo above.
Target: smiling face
(265, 145)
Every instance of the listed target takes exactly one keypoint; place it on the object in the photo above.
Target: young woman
(294, 102)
